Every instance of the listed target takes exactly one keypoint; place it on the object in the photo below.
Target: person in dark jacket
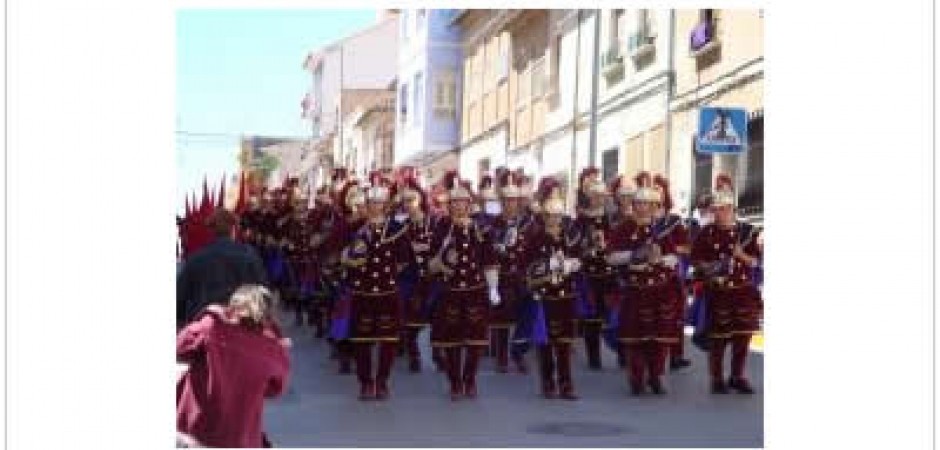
(213, 273)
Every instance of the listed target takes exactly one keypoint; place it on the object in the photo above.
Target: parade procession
(502, 271)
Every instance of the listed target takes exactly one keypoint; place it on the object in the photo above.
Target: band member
(674, 226)
(596, 280)
(551, 259)
(352, 219)
(371, 260)
(486, 211)
(508, 231)
(465, 259)
(320, 223)
(417, 283)
(648, 311)
(299, 255)
(725, 254)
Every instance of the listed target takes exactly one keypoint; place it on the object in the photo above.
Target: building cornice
(743, 74)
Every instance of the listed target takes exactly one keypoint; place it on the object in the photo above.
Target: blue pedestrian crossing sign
(721, 130)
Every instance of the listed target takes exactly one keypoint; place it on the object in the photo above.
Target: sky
(239, 72)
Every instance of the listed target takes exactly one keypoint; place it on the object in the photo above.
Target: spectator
(237, 357)
(213, 273)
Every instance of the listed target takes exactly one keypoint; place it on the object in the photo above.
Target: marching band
(375, 262)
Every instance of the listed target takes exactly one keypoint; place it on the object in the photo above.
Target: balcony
(641, 45)
(612, 61)
(703, 40)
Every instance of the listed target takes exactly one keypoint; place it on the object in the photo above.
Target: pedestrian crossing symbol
(721, 130)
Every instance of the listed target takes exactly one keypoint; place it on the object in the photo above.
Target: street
(320, 408)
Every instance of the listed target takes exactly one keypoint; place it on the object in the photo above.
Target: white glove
(554, 264)
(670, 261)
(571, 265)
(494, 296)
(619, 258)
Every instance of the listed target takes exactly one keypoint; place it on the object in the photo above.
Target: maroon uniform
(419, 284)
(372, 261)
(598, 279)
(734, 302)
(460, 317)
(511, 238)
(678, 244)
(648, 312)
(554, 286)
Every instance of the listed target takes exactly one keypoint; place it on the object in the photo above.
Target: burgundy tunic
(649, 308)
(232, 370)
(461, 315)
(597, 274)
(419, 237)
(555, 290)
(511, 239)
(735, 303)
(377, 250)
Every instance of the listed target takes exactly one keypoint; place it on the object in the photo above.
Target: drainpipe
(670, 91)
(595, 79)
(574, 105)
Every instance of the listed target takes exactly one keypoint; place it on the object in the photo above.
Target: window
(705, 31)
(539, 79)
(477, 75)
(418, 98)
(617, 26)
(422, 18)
(502, 63)
(403, 21)
(752, 195)
(445, 93)
(403, 104)
(555, 75)
(483, 166)
(524, 89)
(643, 23)
(706, 15)
(609, 162)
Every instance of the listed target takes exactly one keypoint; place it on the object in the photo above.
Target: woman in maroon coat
(236, 358)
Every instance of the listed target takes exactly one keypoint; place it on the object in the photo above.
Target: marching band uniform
(350, 222)
(320, 223)
(298, 255)
(372, 262)
(509, 235)
(623, 191)
(417, 283)
(726, 254)
(551, 259)
(487, 210)
(465, 258)
(681, 246)
(648, 309)
(596, 279)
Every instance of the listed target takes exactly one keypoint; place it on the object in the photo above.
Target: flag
(242, 202)
(221, 202)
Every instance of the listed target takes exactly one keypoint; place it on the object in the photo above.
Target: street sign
(721, 130)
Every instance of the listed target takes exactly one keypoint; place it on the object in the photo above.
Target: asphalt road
(320, 408)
